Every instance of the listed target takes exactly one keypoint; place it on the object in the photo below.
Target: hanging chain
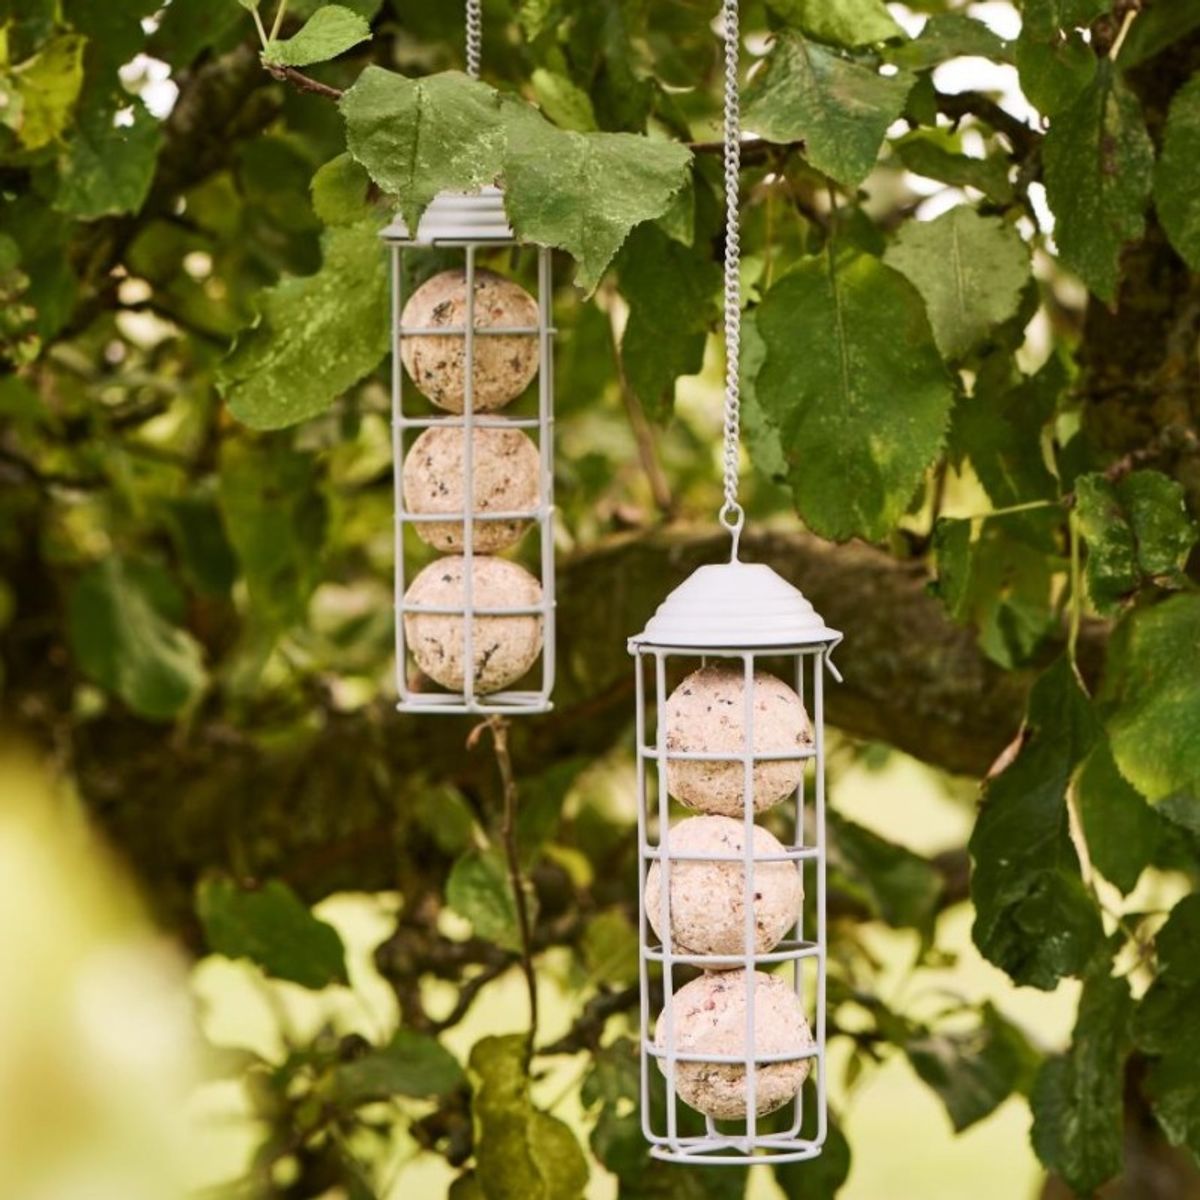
(731, 515)
(474, 37)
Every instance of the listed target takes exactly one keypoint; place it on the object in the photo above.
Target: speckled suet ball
(707, 901)
(436, 363)
(504, 478)
(706, 713)
(503, 647)
(709, 1017)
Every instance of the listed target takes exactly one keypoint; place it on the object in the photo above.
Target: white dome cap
(457, 217)
(734, 605)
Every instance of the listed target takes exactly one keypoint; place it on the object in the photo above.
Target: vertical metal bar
(643, 870)
(546, 510)
(798, 933)
(398, 522)
(749, 948)
(469, 488)
(664, 875)
(819, 817)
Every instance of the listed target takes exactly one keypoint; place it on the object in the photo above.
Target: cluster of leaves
(212, 526)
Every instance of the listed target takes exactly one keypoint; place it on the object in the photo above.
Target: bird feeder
(730, 712)
(730, 718)
(473, 453)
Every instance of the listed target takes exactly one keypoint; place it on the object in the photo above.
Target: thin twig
(278, 23)
(497, 726)
(302, 82)
(753, 149)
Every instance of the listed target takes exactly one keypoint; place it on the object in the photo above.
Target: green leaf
(276, 517)
(1122, 831)
(1098, 167)
(317, 335)
(1034, 917)
(565, 103)
(330, 31)
(991, 578)
(479, 890)
(671, 292)
(411, 1064)
(1137, 530)
(610, 948)
(272, 928)
(418, 137)
(758, 431)
(1154, 690)
(1165, 1027)
(971, 271)
(839, 109)
(1044, 18)
(1000, 428)
(854, 383)
(848, 22)
(1077, 1097)
(1155, 29)
(950, 35)
(823, 1177)
(897, 885)
(121, 620)
(923, 155)
(1054, 72)
(1175, 193)
(108, 167)
(974, 1071)
(521, 1153)
(339, 191)
(584, 192)
(48, 84)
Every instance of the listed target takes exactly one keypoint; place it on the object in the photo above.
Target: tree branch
(302, 82)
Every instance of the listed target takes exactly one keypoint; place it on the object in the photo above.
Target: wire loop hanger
(732, 516)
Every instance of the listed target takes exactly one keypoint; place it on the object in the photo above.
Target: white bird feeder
(475, 628)
(725, 673)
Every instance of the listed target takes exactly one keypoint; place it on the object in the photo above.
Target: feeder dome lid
(734, 605)
(457, 217)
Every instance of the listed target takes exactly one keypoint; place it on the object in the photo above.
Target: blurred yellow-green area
(100, 1085)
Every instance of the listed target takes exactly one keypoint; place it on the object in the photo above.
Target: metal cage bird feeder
(469, 481)
(720, 893)
(741, 1047)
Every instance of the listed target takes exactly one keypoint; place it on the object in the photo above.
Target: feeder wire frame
(469, 701)
(714, 1147)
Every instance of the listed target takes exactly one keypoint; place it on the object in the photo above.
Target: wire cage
(472, 482)
(718, 893)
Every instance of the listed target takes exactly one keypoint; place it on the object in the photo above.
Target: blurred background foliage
(972, 384)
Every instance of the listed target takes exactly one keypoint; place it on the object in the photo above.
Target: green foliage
(840, 109)
(1076, 1098)
(1099, 162)
(846, 22)
(853, 381)
(522, 1153)
(1174, 182)
(315, 336)
(330, 31)
(1138, 532)
(970, 270)
(123, 622)
(1155, 703)
(411, 1064)
(1165, 1027)
(1034, 917)
(974, 1071)
(273, 929)
(195, 613)
(479, 890)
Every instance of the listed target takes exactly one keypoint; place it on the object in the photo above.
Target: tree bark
(325, 808)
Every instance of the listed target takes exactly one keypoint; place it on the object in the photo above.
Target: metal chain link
(474, 37)
(731, 515)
